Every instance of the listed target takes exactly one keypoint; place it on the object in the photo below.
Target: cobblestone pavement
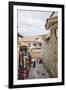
(38, 72)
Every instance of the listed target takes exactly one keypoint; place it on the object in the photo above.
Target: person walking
(29, 59)
(34, 64)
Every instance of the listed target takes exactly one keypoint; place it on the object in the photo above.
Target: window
(40, 44)
(29, 44)
(37, 38)
(34, 44)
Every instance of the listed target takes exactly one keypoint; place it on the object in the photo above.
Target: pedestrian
(29, 59)
(40, 61)
(21, 55)
(34, 64)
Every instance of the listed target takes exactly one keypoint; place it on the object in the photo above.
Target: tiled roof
(31, 38)
(51, 22)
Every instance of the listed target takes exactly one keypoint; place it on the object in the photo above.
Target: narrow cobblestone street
(37, 49)
(38, 72)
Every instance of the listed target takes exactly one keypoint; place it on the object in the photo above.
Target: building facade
(34, 45)
(50, 46)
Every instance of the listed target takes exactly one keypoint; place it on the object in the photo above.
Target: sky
(32, 23)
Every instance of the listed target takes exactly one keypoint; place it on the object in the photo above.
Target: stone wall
(50, 52)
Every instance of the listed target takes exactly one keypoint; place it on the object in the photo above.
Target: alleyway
(38, 72)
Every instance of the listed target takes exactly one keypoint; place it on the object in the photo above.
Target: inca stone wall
(50, 52)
